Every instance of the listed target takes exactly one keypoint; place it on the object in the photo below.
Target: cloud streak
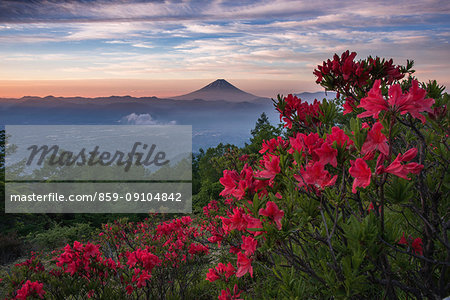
(143, 119)
(278, 39)
(71, 11)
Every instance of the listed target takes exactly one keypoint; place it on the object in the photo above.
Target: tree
(263, 131)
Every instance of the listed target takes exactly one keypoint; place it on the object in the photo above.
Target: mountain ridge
(311, 96)
(220, 89)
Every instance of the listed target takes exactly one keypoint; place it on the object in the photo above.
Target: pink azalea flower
(142, 280)
(374, 103)
(31, 289)
(212, 275)
(339, 136)
(362, 173)
(129, 289)
(409, 155)
(229, 270)
(229, 181)
(375, 141)
(77, 246)
(306, 143)
(91, 250)
(327, 155)
(315, 175)
(227, 295)
(271, 145)
(417, 246)
(403, 240)
(349, 105)
(236, 221)
(412, 102)
(402, 170)
(253, 223)
(272, 167)
(244, 265)
(248, 245)
(273, 212)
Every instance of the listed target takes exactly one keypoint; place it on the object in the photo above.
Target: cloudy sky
(165, 48)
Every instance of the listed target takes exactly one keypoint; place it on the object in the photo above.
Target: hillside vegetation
(348, 199)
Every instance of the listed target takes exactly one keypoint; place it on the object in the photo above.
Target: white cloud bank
(143, 119)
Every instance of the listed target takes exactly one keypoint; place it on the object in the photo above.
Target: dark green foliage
(11, 247)
(59, 236)
(263, 131)
(208, 166)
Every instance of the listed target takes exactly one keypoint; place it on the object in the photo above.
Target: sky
(167, 48)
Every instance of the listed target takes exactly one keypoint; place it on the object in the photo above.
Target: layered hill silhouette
(220, 90)
(218, 112)
(310, 97)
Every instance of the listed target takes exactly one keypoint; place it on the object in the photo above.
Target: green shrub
(59, 236)
(11, 247)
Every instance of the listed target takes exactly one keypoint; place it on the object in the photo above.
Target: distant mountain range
(219, 112)
(223, 90)
(310, 97)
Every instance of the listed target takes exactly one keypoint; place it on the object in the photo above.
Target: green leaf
(399, 190)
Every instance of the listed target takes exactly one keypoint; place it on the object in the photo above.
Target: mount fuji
(220, 90)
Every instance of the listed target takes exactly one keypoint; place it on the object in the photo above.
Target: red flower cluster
(375, 141)
(307, 144)
(145, 259)
(244, 265)
(271, 167)
(272, 145)
(314, 158)
(272, 212)
(212, 206)
(361, 172)
(319, 153)
(227, 295)
(239, 220)
(249, 243)
(416, 244)
(347, 73)
(293, 110)
(31, 289)
(412, 102)
(238, 184)
(32, 264)
(402, 170)
(349, 105)
(338, 135)
(315, 175)
(137, 250)
(81, 259)
(343, 66)
(220, 270)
